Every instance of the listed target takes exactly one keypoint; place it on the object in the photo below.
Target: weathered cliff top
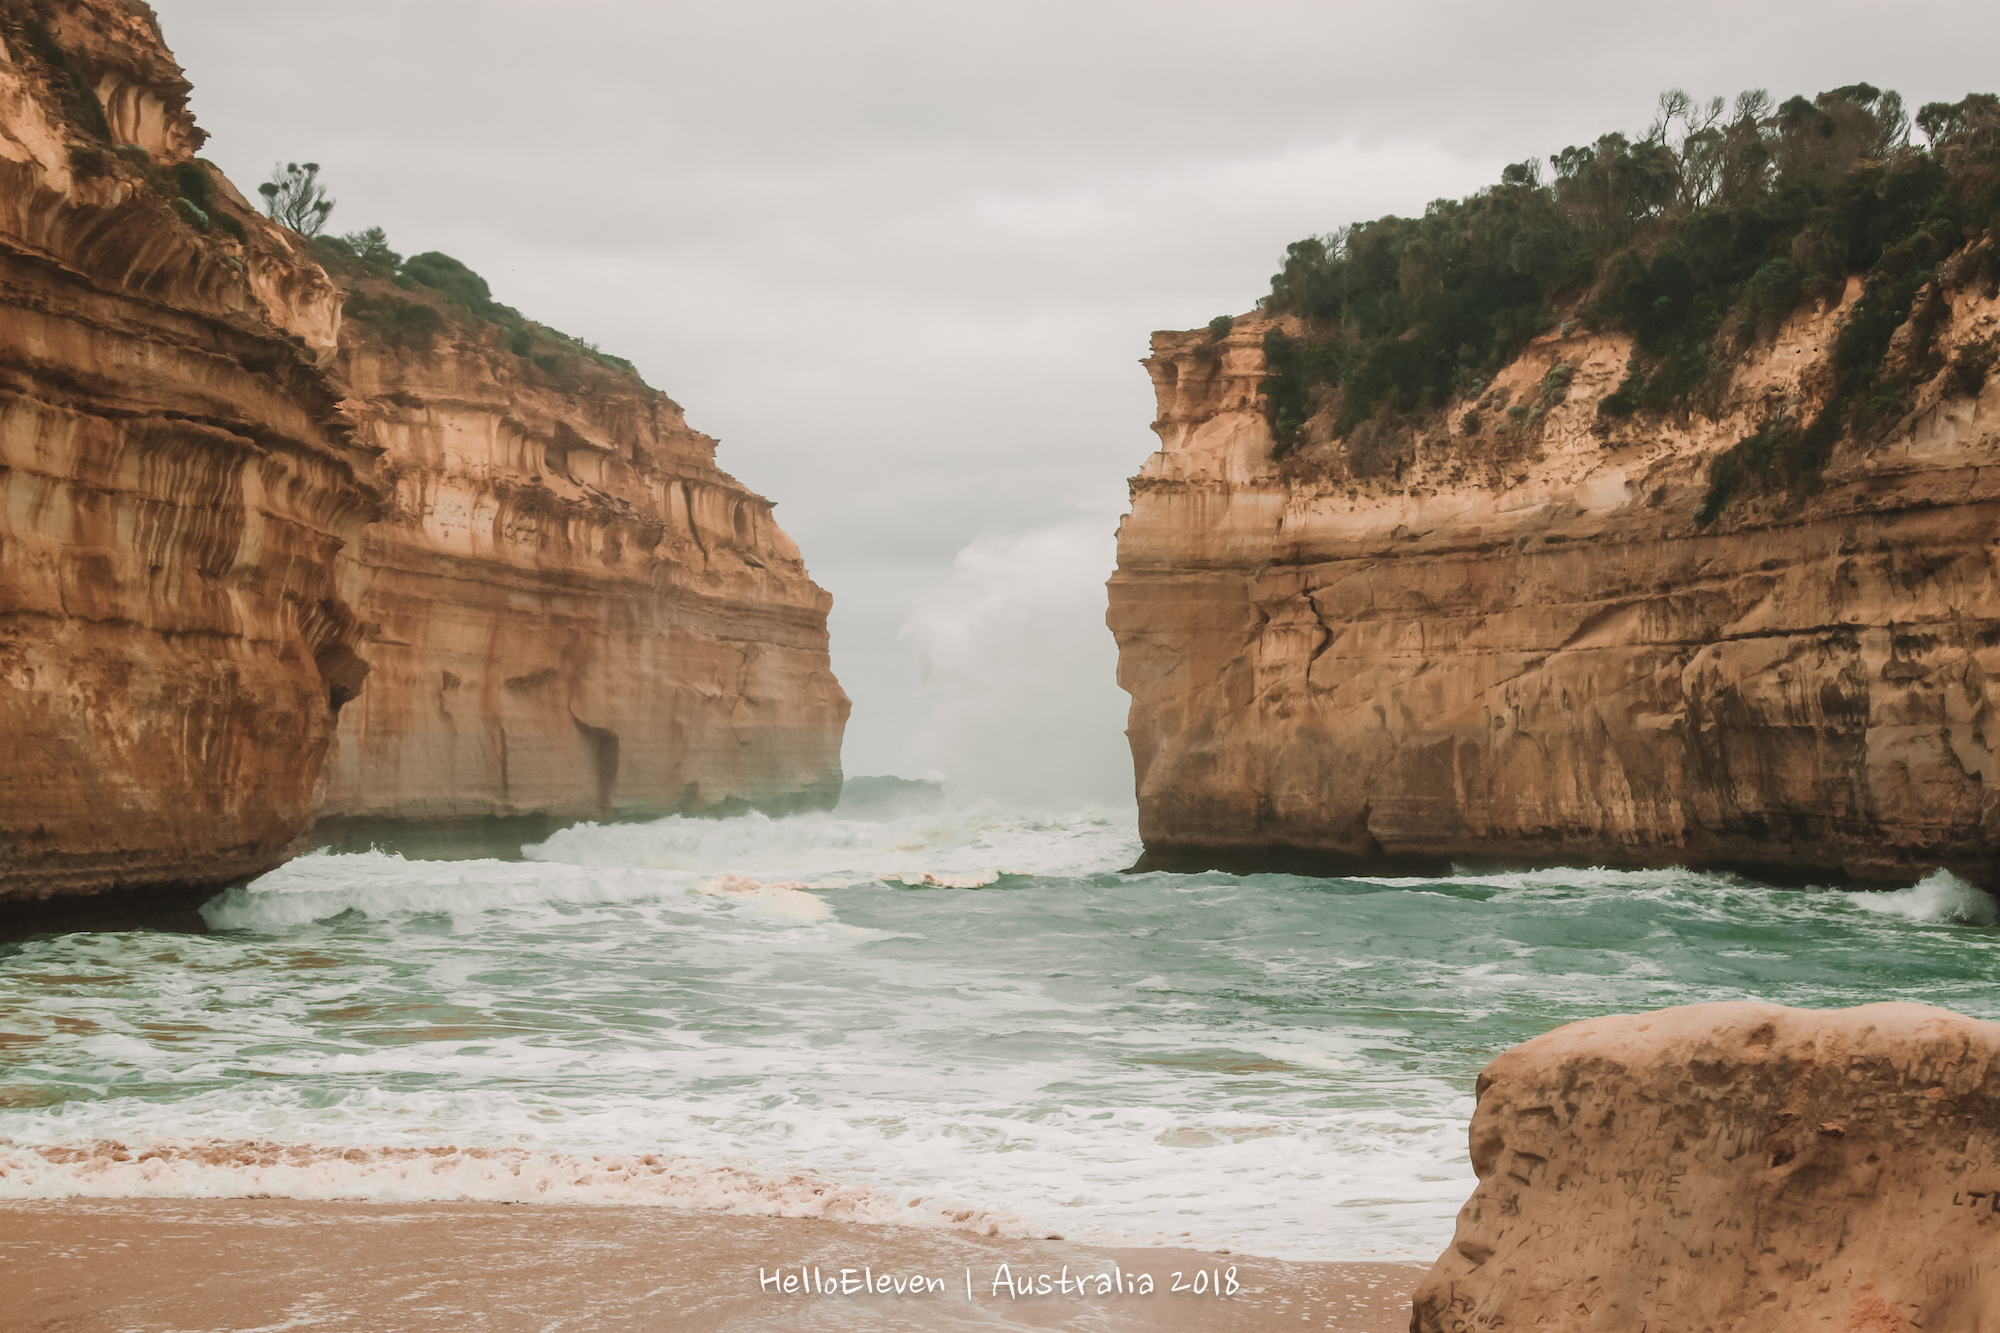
(1696, 242)
(1676, 554)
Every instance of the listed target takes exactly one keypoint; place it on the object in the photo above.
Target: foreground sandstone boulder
(1733, 1167)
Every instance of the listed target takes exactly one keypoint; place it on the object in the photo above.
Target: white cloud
(1018, 667)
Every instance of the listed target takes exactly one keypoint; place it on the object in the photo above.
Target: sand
(151, 1265)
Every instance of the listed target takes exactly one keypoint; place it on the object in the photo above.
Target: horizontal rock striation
(220, 503)
(1508, 636)
(1732, 1166)
(571, 611)
(175, 481)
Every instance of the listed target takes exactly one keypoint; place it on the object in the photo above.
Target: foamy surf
(955, 1011)
(322, 885)
(238, 1168)
(973, 843)
(784, 897)
(1940, 897)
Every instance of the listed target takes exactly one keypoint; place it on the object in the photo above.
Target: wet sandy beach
(149, 1266)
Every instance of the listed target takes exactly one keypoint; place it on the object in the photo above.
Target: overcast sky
(902, 258)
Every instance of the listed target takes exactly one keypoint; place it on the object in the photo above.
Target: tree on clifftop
(1698, 239)
(295, 198)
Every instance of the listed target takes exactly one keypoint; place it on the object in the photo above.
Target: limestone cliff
(571, 611)
(175, 480)
(1509, 632)
(1732, 1166)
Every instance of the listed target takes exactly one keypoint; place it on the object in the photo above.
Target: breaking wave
(1939, 897)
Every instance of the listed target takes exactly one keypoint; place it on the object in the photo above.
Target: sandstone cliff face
(570, 611)
(175, 480)
(1732, 1167)
(1517, 644)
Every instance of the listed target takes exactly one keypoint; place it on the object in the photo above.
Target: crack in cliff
(694, 526)
(1594, 596)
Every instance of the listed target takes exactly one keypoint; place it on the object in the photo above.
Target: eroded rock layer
(1505, 634)
(571, 611)
(175, 480)
(1732, 1167)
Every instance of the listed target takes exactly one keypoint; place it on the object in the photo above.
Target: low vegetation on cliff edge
(295, 198)
(186, 190)
(360, 256)
(1696, 239)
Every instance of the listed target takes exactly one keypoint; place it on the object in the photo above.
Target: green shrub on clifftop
(451, 279)
(1706, 231)
(1779, 456)
(80, 101)
(1971, 366)
(399, 323)
(367, 255)
(194, 185)
(364, 253)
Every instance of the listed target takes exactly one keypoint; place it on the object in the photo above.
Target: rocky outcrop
(1504, 633)
(175, 480)
(1732, 1167)
(570, 611)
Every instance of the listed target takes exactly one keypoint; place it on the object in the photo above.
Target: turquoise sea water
(966, 1018)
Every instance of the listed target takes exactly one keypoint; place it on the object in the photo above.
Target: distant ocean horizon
(944, 1015)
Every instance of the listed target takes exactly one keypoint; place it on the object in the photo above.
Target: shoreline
(152, 1265)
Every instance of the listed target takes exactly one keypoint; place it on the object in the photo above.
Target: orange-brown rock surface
(175, 480)
(1509, 638)
(1733, 1166)
(571, 611)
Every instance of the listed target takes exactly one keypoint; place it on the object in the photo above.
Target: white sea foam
(1278, 1186)
(324, 884)
(382, 884)
(976, 843)
(960, 1018)
(784, 898)
(588, 863)
(1939, 896)
(228, 1168)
